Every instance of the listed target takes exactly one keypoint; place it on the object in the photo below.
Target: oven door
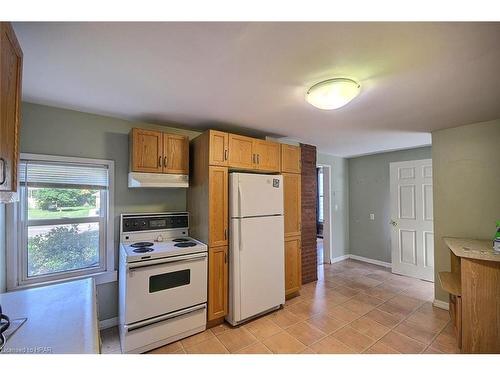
(160, 286)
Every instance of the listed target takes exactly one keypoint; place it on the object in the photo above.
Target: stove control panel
(134, 223)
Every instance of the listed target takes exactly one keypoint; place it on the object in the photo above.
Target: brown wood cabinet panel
(217, 282)
(267, 155)
(219, 148)
(147, 151)
(11, 66)
(292, 204)
(241, 153)
(218, 206)
(175, 154)
(480, 306)
(290, 159)
(293, 265)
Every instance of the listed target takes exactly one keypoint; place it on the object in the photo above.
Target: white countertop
(62, 318)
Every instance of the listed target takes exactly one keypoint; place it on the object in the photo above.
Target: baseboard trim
(372, 261)
(108, 323)
(441, 304)
(339, 259)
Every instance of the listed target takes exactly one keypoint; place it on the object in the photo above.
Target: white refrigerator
(256, 247)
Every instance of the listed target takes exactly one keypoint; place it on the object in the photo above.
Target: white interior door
(412, 229)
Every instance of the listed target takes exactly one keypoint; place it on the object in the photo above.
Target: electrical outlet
(372, 216)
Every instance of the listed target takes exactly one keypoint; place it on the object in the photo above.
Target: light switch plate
(372, 216)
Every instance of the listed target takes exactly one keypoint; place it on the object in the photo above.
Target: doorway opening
(323, 214)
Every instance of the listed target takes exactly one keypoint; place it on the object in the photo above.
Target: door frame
(327, 213)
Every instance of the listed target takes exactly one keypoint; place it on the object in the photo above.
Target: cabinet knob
(165, 161)
(225, 154)
(159, 161)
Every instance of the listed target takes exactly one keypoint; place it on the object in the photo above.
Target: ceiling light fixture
(333, 93)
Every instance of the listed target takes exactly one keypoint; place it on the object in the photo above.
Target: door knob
(393, 223)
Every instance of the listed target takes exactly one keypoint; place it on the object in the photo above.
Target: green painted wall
(466, 187)
(339, 201)
(369, 193)
(55, 131)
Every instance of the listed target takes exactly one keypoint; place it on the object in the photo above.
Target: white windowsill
(103, 277)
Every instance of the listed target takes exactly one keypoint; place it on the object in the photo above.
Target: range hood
(157, 180)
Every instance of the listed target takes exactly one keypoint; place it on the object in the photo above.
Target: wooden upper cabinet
(292, 204)
(175, 154)
(290, 159)
(267, 155)
(157, 152)
(217, 206)
(293, 265)
(217, 282)
(241, 153)
(218, 148)
(147, 151)
(11, 66)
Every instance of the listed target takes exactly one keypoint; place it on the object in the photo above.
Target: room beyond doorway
(323, 214)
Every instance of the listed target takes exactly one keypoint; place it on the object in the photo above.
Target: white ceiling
(415, 77)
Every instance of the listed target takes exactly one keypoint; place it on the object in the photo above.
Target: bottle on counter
(496, 240)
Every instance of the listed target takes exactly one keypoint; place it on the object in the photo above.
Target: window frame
(17, 235)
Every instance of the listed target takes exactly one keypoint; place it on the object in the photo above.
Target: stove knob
(159, 238)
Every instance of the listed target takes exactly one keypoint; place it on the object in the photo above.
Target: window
(63, 219)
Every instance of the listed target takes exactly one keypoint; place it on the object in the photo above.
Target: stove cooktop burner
(180, 240)
(185, 244)
(143, 249)
(142, 244)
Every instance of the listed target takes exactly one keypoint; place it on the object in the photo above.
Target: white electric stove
(162, 281)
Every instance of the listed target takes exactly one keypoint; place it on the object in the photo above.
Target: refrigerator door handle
(240, 197)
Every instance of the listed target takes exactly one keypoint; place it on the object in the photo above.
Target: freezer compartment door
(257, 266)
(255, 195)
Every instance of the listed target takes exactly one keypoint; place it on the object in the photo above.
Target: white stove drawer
(160, 286)
(147, 335)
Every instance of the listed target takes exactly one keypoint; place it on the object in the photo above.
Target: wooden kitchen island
(474, 287)
(61, 318)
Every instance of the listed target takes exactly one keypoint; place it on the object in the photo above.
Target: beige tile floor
(354, 307)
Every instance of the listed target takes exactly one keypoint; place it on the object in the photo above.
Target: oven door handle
(161, 318)
(154, 262)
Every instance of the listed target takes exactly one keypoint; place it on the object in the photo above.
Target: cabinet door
(290, 159)
(11, 66)
(175, 154)
(217, 282)
(241, 153)
(217, 206)
(147, 151)
(267, 155)
(293, 265)
(292, 203)
(218, 148)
